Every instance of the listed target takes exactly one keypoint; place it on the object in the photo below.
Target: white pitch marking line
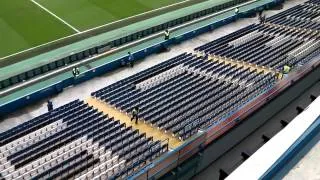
(54, 15)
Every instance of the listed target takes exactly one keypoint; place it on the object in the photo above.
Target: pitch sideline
(54, 15)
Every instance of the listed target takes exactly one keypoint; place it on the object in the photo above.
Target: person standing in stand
(49, 105)
(135, 114)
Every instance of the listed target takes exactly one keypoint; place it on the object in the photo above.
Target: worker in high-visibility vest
(75, 71)
(135, 114)
(166, 34)
(236, 10)
(286, 69)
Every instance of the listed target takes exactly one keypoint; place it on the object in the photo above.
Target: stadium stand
(187, 92)
(267, 45)
(192, 91)
(75, 140)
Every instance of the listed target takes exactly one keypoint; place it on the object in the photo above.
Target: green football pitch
(28, 23)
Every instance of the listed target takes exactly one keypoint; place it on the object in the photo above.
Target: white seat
(9, 177)
(103, 168)
(103, 158)
(54, 155)
(47, 166)
(34, 173)
(90, 175)
(8, 171)
(29, 168)
(48, 158)
(96, 172)
(59, 159)
(60, 151)
(15, 174)
(42, 160)
(27, 176)
(54, 162)
(22, 170)
(40, 170)
(78, 150)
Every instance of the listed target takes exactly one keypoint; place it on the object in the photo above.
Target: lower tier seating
(75, 141)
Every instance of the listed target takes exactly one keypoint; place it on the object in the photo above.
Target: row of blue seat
(36, 123)
(142, 75)
(118, 91)
(225, 39)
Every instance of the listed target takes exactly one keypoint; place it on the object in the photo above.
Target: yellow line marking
(296, 29)
(244, 64)
(142, 127)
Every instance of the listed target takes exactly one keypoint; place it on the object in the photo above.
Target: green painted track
(24, 25)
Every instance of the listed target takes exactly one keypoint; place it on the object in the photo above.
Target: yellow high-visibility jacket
(286, 69)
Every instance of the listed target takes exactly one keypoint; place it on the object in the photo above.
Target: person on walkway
(236, 10)
(263, 19)
(286, 69)
(166, 34)
(130, 59)
(260, 17)
(49, 105)
(135, 114)
(75, 71)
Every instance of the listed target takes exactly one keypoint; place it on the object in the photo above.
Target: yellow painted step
(143, 128)
(241, 63)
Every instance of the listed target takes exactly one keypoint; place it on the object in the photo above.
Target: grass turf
(24, 25)
(86, 14)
